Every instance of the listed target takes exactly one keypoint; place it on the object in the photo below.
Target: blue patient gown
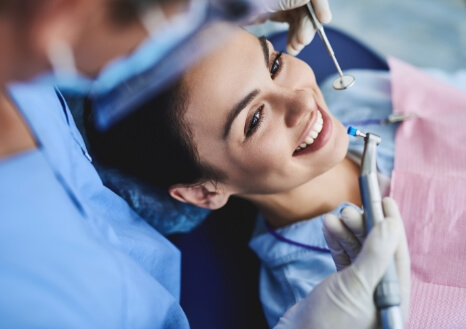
(72, 253)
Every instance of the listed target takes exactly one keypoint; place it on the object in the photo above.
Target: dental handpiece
(387, 296)
(343, 81)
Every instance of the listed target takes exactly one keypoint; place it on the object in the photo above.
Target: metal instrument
(387, 296)
(343, 81)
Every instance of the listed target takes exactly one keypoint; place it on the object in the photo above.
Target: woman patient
(251, 122)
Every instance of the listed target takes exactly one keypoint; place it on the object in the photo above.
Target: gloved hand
(294, 12)
(344, 236)
(345, 299)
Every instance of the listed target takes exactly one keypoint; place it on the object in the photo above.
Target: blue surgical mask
(127, 82)
(168, 35)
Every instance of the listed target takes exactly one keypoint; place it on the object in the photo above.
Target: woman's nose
(298, 103)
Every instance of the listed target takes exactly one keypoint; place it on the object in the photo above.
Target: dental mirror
(343, 81)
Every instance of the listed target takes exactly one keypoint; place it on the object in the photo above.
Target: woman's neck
(319, 196)
(15, 136)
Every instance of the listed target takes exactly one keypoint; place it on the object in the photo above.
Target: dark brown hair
(154, 143)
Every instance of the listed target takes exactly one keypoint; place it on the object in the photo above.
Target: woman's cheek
(273, 150)
(301, 73)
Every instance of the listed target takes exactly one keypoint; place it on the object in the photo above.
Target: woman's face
(260, 118)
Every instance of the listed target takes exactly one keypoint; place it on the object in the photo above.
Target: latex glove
(294, 12)
(344, 236)
(345, 299)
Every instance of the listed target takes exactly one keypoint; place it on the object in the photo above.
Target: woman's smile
(316, 135)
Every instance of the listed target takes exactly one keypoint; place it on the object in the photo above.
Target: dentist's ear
(205, 195)
(60, 20)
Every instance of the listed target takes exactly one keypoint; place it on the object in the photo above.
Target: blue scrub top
(72, 253)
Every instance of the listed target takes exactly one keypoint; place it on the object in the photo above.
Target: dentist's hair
(153, 143)
(128, 11)
(121, 11)
(20, 9)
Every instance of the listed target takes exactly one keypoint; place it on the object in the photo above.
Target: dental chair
(219, 272)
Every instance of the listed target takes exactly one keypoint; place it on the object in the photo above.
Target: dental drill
(343, 81)
(387, 295)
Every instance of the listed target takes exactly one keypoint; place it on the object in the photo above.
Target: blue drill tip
(352, 131)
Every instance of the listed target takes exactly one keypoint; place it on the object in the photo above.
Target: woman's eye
(276, 65)
(255, 121)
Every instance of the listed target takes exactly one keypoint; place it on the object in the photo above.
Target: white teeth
(316, 129)
(309, 140)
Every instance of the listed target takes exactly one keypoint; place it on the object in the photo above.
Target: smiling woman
(250, 118)
(246, 121)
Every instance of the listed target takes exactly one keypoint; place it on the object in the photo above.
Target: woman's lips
(322, 138)
(311, 132)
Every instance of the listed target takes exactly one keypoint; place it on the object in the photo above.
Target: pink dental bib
(429, 184)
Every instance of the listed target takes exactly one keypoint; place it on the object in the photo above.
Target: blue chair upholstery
(350, 53)
(219, 272)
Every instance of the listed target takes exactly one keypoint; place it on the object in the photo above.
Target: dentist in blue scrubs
(72, 253)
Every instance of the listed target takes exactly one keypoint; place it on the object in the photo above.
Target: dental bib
(429, 184)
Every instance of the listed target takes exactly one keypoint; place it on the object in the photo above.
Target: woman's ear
(205, 195)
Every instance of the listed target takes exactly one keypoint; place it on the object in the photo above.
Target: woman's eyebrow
(235, 111)
(265, 50)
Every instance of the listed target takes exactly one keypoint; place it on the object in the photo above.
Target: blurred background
(425, 33)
